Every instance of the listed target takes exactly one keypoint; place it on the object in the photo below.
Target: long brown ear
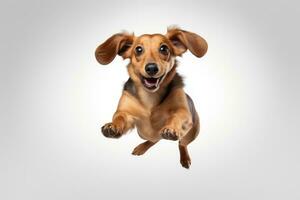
(117, 44)
(183, 40)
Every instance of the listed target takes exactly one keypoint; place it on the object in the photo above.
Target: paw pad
(111, 131)
(169, 134)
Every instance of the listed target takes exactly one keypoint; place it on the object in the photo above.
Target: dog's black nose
(151, 69)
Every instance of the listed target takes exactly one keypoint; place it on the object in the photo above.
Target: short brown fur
(164, 110)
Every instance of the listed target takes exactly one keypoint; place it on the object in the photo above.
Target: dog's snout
(151, 69)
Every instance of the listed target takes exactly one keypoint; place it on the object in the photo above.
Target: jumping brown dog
(153, 99)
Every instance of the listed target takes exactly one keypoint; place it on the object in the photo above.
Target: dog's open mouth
(151, 83)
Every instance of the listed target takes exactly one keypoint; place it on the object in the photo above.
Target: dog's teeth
(148, 84)
(156, 84)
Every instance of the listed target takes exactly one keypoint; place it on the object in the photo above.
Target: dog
(153, 99)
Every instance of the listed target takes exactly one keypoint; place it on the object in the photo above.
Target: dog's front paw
(169, 133)
(111, 131)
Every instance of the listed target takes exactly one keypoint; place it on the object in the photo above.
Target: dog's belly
(149, 127)
(147, 132)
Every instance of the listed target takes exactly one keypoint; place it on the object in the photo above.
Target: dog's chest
(149, 125)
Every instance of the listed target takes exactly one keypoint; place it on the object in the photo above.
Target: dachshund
(153, 99)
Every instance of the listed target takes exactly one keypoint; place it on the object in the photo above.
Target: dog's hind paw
(186, 162)
(139, 150)
(111, 131)
(142, 148)
(169, 134)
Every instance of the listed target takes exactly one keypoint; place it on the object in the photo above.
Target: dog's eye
(163, 49)
(138, 50)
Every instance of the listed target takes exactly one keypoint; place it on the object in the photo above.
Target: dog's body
(153, 99)
(152, 113)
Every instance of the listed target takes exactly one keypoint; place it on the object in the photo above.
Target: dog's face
(151, 56)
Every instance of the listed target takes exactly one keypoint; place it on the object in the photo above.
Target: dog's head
(152, 57)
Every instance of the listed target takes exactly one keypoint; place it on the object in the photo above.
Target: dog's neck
(149, 99)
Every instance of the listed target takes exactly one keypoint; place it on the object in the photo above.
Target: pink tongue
(151, 82)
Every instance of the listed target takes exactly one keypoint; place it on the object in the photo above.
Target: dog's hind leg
(142, 148)
(185, 159)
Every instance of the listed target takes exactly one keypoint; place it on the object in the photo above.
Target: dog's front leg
(178, 124)
(120, 124)
(179, 120)
(123, 119)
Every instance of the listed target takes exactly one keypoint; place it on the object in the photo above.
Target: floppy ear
(117, 44)
(182, 40)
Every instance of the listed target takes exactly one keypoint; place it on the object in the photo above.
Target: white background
(55, 97)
